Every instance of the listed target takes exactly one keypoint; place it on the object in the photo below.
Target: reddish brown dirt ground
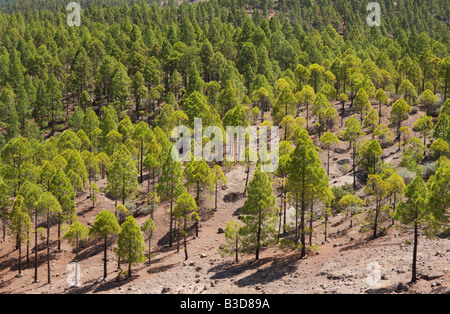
(339, 266)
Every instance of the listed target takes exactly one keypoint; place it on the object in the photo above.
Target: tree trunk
(302, 227)
(237, 249)
(105, 259)
(59, 232)
(311, 224)
(414, 262)
(258, 236)
(28, 247)
(328, 162)
(20, 258)
(354, 167)
(35, 247)
(48, 247)
(129, 267)
(376, 219)
(141, 166)
(215, 206)
(185, 239)
(150, 247)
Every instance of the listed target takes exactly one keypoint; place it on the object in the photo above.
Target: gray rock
(385, 286)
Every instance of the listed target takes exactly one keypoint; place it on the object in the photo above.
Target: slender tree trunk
(28, 247)
(326, 225)
(311, 223)
(285, 210)
(296, 221)
(302, 227)
(178, 241)
(246, 180)
(59, 232)
(142, 161)
(150, 247)
(414, 262)
(129, 267)
(354, 167)
(35, 247)
(185, 239)
(395, 205)
(215, 206)
(376, 219)
(379, 114)
(105, 259)
(48, 248)
(20, 259)
(171, 218)
(328, 162)
(258, 236)
(237, 249)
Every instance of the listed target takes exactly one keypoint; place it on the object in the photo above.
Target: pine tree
(328, 140)
(350, 203)
(31, 194)
(218, 178)
(131, 244)
(413, 211)
(122, 176)
(424, 125)
(260, 214)
(185, 210)
(77, 232)
(382, 99)
(20, 225)
(5, 203)
(105, 225)
(62, 188)
(49, 204)
(362, 104)
(149, 228)
(233, 244)
(352, 134)
(396, 188)
(144, 136)
(304, 173)
(376, 187)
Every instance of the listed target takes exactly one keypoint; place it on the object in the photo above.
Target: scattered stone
(402, 288)
(198, 268)
(435, 284)
(384, 287)
(203, 255)
(191, 263)
(220, 231)
(166, 290)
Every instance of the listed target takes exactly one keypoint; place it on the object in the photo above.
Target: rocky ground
(340, 265)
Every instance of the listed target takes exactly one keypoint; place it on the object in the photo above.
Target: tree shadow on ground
(273, 270)
(97, 287)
